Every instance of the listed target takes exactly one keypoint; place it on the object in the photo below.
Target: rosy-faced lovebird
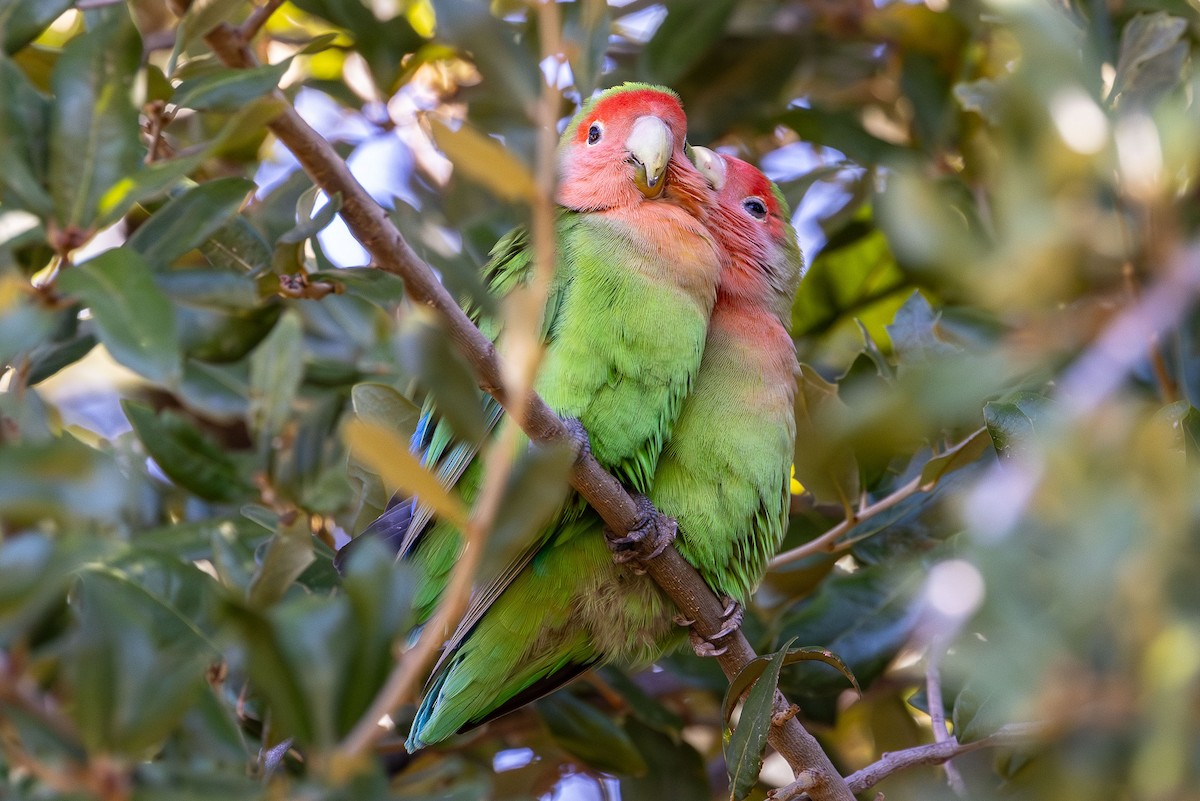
(635, 280)
(724, 476)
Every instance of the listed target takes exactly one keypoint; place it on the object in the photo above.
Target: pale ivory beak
(710, 165)
(650, 145)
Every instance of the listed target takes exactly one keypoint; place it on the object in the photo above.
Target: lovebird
(635, 281)
(724, 476)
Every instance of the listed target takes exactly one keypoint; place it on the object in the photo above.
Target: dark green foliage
(1001, 365)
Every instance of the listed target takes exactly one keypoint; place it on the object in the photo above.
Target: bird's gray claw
(654, 534)
(714, 645)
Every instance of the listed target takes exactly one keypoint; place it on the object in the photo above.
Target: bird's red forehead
(631, 104)
(743, 180)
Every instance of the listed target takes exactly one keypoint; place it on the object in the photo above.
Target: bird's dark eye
(594, 134)
(755, 208)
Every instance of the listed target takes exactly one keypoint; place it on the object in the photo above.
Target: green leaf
(1011, 423)
(1151, 58)
(588, 25)
(220, 290)
(188, 457)
(24, 122)
(590, 735)
(133, 316)
(188, 220)
(22, 21)
(201, 17)
(95, 140)
(759, 665)
(424, 351)
(33, 581)
(674, 768)
(237, 245)
(311, 224)
(380, 405)
(684, 36)
(229, 89)
(842, 131)
(828, 472)
(276, 371)
(132, 683)
(914, 333)
(864, 617)
(288, 554)
(745, 748)
(962, 454)
(535, 491)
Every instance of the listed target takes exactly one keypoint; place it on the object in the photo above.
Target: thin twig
(390, 252)
(937, 712)
(937, 753)
(257, 19)
(828, 541)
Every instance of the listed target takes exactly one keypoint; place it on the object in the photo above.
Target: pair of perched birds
(666, 333)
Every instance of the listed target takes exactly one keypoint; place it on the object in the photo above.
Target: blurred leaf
(383, 42)
(1011, 424)
(94, 136)
(674, 768)
(132, 683)
(744, 749)
(23, 20)
(509, 68)
(188, 220)
(688, 30)
(914, 333)
(384, 407)
(229, 90)
(830, 476)
(1151, 58)
(644, 707)
(389, 456)
(215, 289)
(287, 555)
(536, 490)
(276, 370)
(236, 245)
(424, 350)
(981, 97)
(200, 18)
(188, 457)
(33, 580)
(24, 120)
(134, 318)
(311, 225)
(960, 455)
(977, 713)
(590, 735)
(864, 617)
(586, 25)
(484, 160)
(842, 131)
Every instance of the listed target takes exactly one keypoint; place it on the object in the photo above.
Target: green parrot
(724, 476)
(634, 285)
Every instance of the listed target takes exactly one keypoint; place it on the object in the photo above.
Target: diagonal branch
(390, 252)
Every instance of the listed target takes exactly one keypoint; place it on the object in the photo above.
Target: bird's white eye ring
(755, 208)
(595, 131)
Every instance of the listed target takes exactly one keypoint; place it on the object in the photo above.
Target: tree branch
(938, 753)
(390, 252)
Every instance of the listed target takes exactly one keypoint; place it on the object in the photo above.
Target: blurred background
(996, 491)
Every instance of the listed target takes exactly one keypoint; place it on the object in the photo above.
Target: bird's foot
(653, 534)
(577, 438)
(714, 644)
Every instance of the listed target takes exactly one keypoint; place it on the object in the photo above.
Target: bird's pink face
(753, 226)
(626, 149)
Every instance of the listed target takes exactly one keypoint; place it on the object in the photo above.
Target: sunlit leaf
(484, 160)
(390, 457)
(23, 20)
